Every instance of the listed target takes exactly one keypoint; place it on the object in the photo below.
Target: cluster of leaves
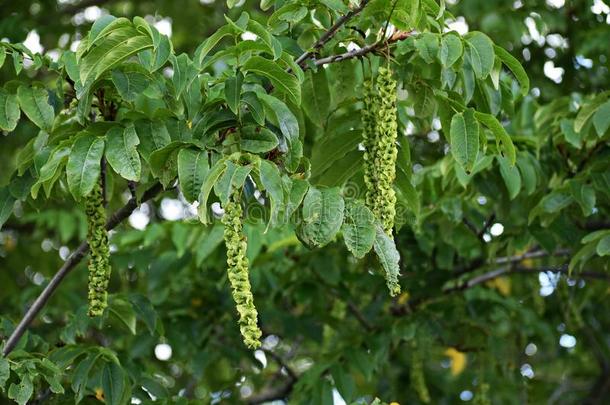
(242, 114)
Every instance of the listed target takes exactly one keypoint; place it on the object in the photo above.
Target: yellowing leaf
(403, 298)
(502, 284)
(458, 360)
(99, 394)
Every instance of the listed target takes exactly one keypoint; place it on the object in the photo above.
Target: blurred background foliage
(487, 311)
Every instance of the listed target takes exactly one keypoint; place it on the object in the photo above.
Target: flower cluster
(380, 132)
(99, 261)
(237, 263)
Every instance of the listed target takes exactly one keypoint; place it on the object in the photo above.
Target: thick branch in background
(331, 32)
(74, 259)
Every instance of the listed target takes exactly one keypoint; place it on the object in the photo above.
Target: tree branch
(331, 33)
(536, 254)
(280, 391)
(398, 36)
(74, 259)
(507, 270)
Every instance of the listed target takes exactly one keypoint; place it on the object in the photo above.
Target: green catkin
(481, 396)
(387, 150)
(418, 381)
(369, 123)
(380, 151)
(99, 260)
(237, 263)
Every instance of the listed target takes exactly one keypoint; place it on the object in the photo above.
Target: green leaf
(274, 46)
(481, 52)
(571, 136)
(603, 246)
(104, 26)
(284, 82)
(515, 67)
(115, 47)
(81, 375)
(114, 384)
(427, 46)
(388, 255)
(593, 236)
(233, 91)
(122, 154)
(358, 228)
(280, 115)
(130, 81)
(464, 134)
(316, 96)
(210, 179)
(528, 172)
(584, 194)
(192, 169)
(332, 148)
(124, 312)
(50, 171)
(255, 107)
(153, 136)
(23, 391)
(9, 110)
(587, 110)
(7, 202)
(451, 49)
(184, 73)
(83, 167)
(323, 211)
(5, 372)
(601, 119)
(163, 162)
(298, 189)
(207, 45)
(34, 102)
(511, 176)
(145, 311)
(507, 148)
(272, 183)
(257, 139)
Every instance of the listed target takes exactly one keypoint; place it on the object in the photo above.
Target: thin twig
(331, 32)
(507, 270)
(398, 36)
(74, 259)
(536, 254)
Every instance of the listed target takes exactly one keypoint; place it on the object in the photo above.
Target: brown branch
(536, 254)
(507, 270)
(280, 391)
(74, 259)
(398, 36)
(331, 33)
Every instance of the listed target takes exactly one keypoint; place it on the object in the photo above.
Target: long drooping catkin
(380, 151)
(387, 150)
(369, 141)
(237, 263)
(99, 260)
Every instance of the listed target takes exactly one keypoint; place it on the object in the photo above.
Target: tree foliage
(386, 206)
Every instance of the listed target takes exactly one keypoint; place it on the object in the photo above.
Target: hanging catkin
(369, 124)
(387, 150)
(380, 150)
(237, 263)
(418, 380)
(99, 260)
